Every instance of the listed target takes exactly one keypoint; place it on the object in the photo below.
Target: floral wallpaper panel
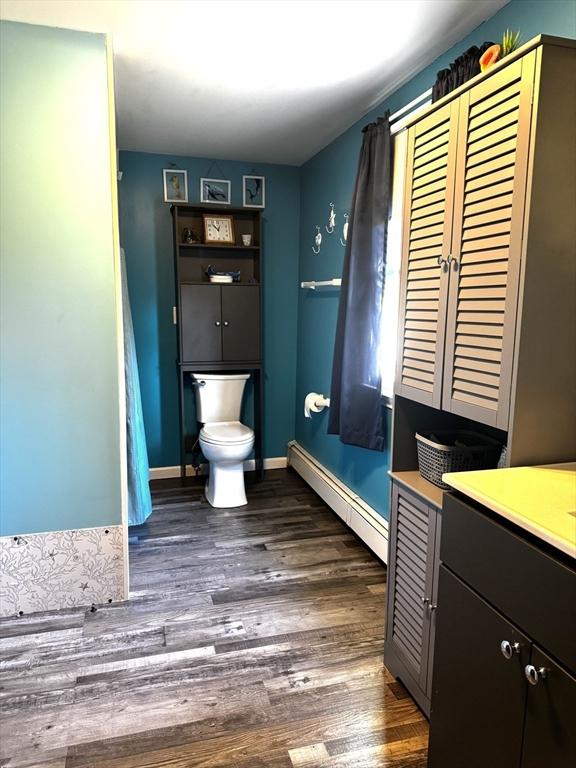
(61, 569)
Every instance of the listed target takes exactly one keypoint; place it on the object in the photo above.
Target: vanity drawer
(531, 587)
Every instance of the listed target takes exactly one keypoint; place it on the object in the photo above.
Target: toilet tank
(219, 396)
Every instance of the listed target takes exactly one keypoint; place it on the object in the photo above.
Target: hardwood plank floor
(253, 638)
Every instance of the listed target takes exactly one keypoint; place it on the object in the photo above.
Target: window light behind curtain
(389, 320)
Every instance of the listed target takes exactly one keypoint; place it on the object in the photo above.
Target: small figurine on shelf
(188, 237)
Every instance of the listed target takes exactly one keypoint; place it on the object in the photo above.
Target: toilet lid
(228, 432)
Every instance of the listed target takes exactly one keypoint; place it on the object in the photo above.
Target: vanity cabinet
(412, 591)
(488, 265)
(504, 690)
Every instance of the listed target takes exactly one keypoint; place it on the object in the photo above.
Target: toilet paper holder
(315, 403)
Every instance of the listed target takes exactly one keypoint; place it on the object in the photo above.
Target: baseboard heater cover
(353, 510)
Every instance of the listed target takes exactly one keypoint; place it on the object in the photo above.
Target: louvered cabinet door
(489, 202)
(428, 196)
(410, 582)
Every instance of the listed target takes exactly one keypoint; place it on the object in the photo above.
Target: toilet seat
(226, 433)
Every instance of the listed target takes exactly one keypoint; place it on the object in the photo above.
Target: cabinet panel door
(489, 203)
(241, 323)
(428, 197)
(549, 732)
(200, 323)
(410, 581)
(478, 695)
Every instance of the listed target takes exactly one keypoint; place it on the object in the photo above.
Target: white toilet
(224, 441)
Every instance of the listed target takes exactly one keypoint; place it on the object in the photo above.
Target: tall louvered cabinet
(489, 238)
(487, 331)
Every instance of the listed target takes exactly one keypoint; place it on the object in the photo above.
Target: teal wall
(146, 235)
(329, 177)
(59, 406)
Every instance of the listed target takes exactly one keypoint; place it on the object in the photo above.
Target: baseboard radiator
(359, 516)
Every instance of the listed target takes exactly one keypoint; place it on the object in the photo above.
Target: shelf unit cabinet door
(478, 695)
(430, 172)
(489, 206)
(549, 732)
(200, 323)
(241, 323)
(410, 581)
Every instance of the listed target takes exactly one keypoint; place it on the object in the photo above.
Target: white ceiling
(253, 80)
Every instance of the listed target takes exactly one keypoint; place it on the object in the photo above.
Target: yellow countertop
(541, 500)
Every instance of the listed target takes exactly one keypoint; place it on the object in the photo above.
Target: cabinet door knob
(534, 675)
(226, 323)
(509, 649)
(217, 323)
(425, 600)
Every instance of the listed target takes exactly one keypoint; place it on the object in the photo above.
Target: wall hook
(344, 238)
(331, 220)
(317, 241)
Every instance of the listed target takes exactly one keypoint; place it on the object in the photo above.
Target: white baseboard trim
(354, 511)
(161, 473)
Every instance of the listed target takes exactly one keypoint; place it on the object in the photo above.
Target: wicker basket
(460, 451)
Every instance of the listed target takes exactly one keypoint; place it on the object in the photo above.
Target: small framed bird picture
(254, 191)
(215, 191)
(175, 185)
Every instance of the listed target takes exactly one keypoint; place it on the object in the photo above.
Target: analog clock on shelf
(219, 229)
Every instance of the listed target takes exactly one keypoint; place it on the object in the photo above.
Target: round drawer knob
(509, 649)
(534, 675)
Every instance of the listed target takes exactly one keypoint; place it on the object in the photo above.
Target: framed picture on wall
(253, 191)
(175, 185)
(215, 191)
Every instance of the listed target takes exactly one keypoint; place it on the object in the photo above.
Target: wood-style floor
(253, 638)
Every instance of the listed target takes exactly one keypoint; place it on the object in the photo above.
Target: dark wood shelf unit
(219, 324)
(207, 282)
(246, 222)
(220, 246)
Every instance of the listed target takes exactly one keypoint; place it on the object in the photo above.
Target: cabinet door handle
(226, 323)
(425, 600)
(534, 675)
(508, 649)
(217, 323)
(452, 260)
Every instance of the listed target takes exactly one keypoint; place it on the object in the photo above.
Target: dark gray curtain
(356, 408)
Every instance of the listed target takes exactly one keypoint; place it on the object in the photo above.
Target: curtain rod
(395, 116)
(411, 104)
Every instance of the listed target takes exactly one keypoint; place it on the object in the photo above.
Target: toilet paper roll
(314, 403)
